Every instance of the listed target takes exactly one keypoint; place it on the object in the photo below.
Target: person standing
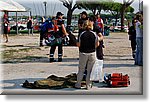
(132, 37)
(99, 49)
(41, 31)
(88, 41)
(30, 26)
(82, 19)
(100, 23)
(61, 32)
(5, 26)
(139, 40)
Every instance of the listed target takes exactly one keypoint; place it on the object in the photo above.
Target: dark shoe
(59, 59)
(77, 86)
(51, 60)
(41, 45)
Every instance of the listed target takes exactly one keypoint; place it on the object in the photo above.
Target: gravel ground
(23, 59)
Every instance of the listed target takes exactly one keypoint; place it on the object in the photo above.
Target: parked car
(118, 27)
(20, 27)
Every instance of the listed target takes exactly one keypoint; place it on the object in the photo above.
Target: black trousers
(99, 51)
(41, 37)
(60, 51)
(133, 44)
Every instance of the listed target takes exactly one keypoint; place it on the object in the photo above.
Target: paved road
(34, 65)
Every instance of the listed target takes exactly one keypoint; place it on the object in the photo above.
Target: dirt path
(24, 60)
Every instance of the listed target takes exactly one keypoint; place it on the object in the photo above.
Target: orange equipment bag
(118, 80)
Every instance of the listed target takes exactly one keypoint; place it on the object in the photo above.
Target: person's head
(5, 14)
(83, 14)
(98, 16)
(139, 17)
(92, 19)
(133, 21)
(59, 15)
(87, 25)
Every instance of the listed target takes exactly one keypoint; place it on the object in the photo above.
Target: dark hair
(138, 17)
(59, 14)
(84, 12)
(92, 18)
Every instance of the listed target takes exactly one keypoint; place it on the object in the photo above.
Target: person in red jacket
(100, 23)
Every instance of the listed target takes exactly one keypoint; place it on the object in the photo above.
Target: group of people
(6, 26)
(89, 41)
(136, 38)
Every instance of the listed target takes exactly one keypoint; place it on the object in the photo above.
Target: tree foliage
(94, 5)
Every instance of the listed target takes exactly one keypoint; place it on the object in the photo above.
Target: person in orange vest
(59, 33)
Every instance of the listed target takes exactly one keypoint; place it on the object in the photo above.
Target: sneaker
(51, 60)
(89, 86)
(59, 59)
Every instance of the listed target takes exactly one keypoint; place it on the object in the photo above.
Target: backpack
(117, 80)
(50, 30)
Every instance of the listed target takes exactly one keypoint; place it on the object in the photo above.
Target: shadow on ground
(35, 59)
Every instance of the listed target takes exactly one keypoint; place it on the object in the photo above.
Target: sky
(37, 6)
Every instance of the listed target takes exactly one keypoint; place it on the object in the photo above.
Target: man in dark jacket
(132, 38)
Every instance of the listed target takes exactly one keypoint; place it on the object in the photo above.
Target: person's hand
(67, 37)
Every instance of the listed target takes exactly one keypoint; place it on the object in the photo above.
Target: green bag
(52, 41)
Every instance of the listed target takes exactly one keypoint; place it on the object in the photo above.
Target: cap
(59, 14)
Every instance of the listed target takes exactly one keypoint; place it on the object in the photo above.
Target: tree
(69, 5)
(115, 9)
(95, 6)
(125, 5)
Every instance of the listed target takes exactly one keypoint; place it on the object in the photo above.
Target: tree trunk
(122, 17)
(116, 17)
(69, 17)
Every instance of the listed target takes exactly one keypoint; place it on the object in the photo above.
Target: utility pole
(45, 4)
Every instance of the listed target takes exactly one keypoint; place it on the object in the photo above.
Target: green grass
(22, 31)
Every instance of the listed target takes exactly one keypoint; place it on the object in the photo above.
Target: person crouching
(88, 41)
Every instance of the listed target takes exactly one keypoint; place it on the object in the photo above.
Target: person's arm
(78, 44)
(79, 24)
(97, 41)
(64, 30)
(100, 36)
(102, 25)
(97, 44)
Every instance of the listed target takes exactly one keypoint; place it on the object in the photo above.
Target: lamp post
(139, 5)
(45, 4)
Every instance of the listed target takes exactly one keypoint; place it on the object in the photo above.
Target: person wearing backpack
(60, 33)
